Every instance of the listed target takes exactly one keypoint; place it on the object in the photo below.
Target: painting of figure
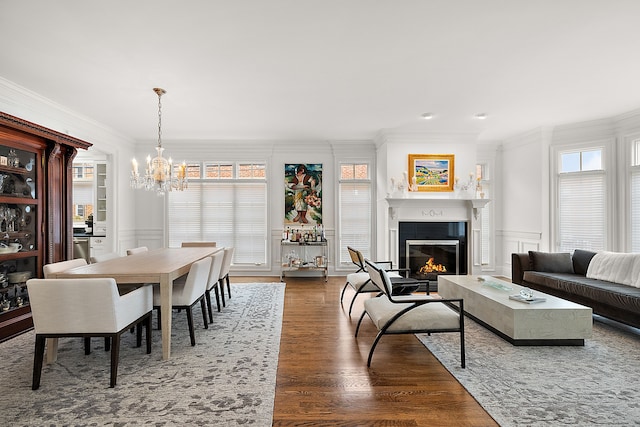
(303, 194)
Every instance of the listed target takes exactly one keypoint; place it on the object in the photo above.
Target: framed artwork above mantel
(431, 172)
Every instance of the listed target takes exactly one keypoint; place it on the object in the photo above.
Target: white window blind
(581, 218)
(83, 193)
(227, 212)
(355, 218)
(635, 210)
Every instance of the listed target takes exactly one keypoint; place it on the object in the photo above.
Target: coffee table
(486, 300)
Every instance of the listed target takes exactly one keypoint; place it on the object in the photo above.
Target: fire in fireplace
(432, 267)
(427, 259)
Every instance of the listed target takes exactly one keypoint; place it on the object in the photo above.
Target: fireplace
(427, 259)
(429, 249)
(435, 217)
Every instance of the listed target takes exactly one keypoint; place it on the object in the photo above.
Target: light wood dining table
(161, 266)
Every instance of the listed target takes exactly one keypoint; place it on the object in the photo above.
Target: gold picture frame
(431, 172)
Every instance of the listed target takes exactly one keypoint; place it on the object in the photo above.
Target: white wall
(525, 196)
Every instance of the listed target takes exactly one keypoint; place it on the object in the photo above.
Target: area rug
(227, 379)
(594, 385)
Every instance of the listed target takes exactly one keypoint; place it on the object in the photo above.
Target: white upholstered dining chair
(86, 308)
(186, 294)
(137, 250)
(213, 281)
(224, 272)
(58, 267)
(103, 257)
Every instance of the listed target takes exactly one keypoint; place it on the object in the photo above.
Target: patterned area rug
(227, 379)
(594, 385)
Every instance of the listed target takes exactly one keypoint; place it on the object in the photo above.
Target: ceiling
(330, 69)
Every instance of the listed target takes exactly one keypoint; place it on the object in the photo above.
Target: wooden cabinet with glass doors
(35, 225)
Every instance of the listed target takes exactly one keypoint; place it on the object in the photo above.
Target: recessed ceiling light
(481, 116)
(427, 116)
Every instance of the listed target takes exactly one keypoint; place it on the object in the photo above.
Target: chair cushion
(425, 317)
(357, 279)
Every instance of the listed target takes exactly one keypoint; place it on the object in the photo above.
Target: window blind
(229, 213)
(635, 210)
(582, 214)
(355, 218)
(83, 193)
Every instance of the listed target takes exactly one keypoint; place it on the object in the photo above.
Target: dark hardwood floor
(323, 379)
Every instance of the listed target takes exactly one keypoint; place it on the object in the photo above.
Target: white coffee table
(552, 322)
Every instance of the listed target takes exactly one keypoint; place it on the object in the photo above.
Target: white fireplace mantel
(436, 208)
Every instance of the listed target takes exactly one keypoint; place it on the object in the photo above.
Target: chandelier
(159, 174)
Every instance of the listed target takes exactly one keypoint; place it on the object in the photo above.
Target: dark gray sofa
(564, 275)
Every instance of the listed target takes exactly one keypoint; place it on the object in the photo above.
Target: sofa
(607, 282)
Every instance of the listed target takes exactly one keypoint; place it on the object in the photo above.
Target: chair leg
(203, 308)
(359, 323)
(147, 324)
(115, 354)
(87, 346)
(209, 309)
(217, 296)
(107, 343)
(159, 318)
(346, 285)
(353, 300)
(192, 333)
(37, 362)
(373, 347)
(228, 286)
(221, 285)
(139, 333)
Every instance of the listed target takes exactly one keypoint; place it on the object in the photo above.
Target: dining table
(159, 267)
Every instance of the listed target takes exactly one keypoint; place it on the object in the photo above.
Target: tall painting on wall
(431, 172)
(303, 193)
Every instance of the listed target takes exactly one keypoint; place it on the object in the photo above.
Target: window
(355, 213)
(82, 171)
(228, 205)
(581, 200)
(635, 196)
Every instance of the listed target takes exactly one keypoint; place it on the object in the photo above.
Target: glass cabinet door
(18, 225)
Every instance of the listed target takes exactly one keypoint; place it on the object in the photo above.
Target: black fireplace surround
(433, 232)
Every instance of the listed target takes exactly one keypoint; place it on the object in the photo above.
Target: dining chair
(360, 281)
(198, 244)
(103, 257)
(86, 308)
(137, 250)
(213, 281)
(410, 314)
(49, 270)
(186, 294)
(57, 267)
(224, 272)
(122, 287)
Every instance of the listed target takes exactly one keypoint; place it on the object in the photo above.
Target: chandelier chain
(160, 92)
